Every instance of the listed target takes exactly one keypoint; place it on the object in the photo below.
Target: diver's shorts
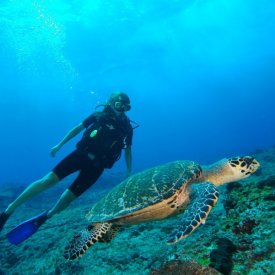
(89, 171)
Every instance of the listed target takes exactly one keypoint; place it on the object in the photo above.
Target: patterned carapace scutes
(144, 189)
(179, 187)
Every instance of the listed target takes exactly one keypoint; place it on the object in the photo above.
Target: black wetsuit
(100, 147)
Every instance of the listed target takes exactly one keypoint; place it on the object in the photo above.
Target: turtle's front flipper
(96, 232)
(202, 199)
(110, 234)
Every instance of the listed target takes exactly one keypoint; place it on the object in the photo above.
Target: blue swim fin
(26, 229)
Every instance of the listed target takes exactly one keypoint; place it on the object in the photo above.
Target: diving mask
(122, 106)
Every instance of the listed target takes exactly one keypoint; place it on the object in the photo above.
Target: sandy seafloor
(237, 238)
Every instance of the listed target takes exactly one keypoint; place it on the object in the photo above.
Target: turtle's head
(232, 169)
(243, 166)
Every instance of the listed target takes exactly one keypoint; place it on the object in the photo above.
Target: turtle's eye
(248, 160)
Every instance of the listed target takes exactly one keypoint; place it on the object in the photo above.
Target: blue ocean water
(200, 74)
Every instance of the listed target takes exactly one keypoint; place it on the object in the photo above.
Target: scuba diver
(107, 133)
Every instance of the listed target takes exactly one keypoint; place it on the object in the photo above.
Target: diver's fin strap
(88, 237)
(203, 197)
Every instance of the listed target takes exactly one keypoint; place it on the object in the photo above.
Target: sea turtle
(160, 192)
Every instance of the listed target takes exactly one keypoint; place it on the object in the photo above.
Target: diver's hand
(54, 150)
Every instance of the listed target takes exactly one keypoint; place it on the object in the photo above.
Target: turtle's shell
(144, 189)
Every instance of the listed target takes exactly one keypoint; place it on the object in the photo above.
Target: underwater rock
(11, 260)
(270, 197)
(244, 245)
(232, 185)
(270, 181)
(184, 267)
(221, 257)
(68, 268)
(230, 202)
(245, 227)
(134, 233)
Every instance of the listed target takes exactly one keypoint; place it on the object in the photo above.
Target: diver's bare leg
(33, 189)
(66, 198)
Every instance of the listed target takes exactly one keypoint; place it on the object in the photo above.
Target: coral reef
(239, 231)
(184, 267)
(221, 257)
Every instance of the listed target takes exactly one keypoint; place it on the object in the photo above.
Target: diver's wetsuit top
(105, 136)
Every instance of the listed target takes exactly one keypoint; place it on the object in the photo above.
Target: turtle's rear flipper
(202, 199)
(95, 232)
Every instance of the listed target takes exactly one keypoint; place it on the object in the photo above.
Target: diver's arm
(72, 133)
(128, 159)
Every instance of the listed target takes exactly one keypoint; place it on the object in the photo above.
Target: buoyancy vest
(106, 137)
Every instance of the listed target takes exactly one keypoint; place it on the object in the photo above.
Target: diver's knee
(50, 179)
